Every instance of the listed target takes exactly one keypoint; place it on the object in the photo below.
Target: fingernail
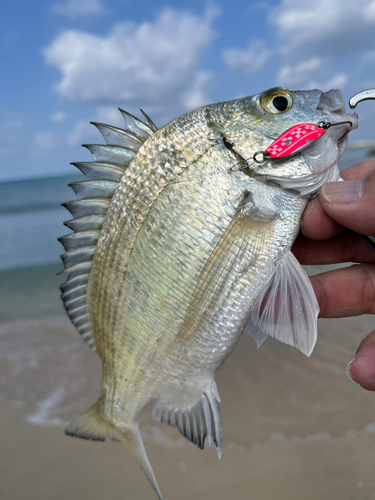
(302, 226)
(348, 370)
(342, 191)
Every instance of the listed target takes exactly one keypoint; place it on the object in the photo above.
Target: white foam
(370, 429)
(42, 415)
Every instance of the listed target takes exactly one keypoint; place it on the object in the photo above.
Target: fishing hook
(327, 125)
(365, 95)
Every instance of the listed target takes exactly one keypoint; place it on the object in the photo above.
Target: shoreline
(294, 427)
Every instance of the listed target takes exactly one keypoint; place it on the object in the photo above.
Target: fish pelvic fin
(195, 422)
(92, 425)
(287, 309)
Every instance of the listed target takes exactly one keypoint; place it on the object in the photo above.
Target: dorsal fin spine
(88, 210)
(150, 123)
(105, 171)
(113, 135)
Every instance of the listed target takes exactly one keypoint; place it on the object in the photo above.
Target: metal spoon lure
(289, 143)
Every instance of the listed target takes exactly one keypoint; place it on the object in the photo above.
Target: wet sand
(294, 428)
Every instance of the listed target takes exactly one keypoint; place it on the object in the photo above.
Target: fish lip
(332, 105)
(342, 143)
(332, 102)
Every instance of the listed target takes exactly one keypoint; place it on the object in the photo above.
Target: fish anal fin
(196, 422)
(92, 425)
(287, 309)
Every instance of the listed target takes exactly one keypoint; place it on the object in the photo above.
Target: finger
(317, 224)
(362, 367)
(351, 203)
(346, 292)
(359, 171)
(346, 247)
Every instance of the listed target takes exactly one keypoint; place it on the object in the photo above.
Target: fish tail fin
(92, 425)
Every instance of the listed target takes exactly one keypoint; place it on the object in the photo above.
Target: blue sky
(68, 62)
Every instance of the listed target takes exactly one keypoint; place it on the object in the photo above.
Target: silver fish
(173, 257)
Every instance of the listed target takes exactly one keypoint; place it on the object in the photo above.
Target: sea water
(294, 427)
(31, 215)
(31, 220)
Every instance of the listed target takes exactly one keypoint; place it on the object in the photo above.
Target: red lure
(289, 143)
(294, 140)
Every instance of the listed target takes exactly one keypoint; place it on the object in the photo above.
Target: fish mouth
(332, 105)
(331, 109)
(342, 143)
(332, 102)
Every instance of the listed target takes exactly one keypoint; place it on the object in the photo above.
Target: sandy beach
(294, 427)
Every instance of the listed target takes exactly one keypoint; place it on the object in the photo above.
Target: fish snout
(332, 101)
(332, 104)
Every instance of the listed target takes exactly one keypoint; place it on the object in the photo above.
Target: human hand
(327, 238)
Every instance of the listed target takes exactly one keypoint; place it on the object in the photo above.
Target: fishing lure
(299, 137)
(289, 143)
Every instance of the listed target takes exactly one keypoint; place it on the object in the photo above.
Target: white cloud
(58, 117)
(195, 96)
(252, 59)
(83, 133)
(151, 65)
(46, 141)
(74, 9)
(324, 28)
(335, 82)
(112, 116)
(300, 73)
(369, 12)
(310, 74)
(368, 58)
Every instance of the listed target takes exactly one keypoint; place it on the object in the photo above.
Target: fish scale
(127, 186)
(190, 254)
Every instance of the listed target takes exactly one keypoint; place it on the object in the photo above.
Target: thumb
(351, 203)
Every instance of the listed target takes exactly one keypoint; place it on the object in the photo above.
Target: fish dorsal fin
(151, 124)
(92, 201)
(287, 308)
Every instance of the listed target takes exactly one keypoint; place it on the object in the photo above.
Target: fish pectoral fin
(201, 420)
(92, 425)
(244, 246)
(287, 309)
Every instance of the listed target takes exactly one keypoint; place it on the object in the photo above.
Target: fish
(174, 254)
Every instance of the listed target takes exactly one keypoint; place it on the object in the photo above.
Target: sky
(68, 62)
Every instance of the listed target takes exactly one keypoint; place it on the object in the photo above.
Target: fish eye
(276, 101)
